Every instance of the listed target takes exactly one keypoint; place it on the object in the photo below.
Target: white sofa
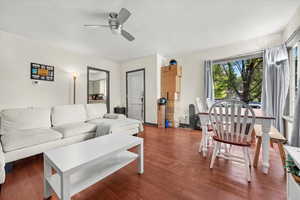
(30, 131)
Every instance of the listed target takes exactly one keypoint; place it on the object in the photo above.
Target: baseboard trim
(150, 124)
(8, 167)
(184, 125)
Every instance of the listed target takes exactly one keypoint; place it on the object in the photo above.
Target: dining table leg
(266, 126)
(204, 138)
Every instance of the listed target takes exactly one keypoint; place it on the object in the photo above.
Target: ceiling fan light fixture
(116, 31)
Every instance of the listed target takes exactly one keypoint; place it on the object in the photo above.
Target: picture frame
(41, 72)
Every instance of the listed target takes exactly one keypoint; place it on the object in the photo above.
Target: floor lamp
(75, 75)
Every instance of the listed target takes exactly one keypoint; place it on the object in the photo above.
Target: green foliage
(240, 79)
(292, 167)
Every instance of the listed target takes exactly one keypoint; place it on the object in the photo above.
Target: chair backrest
(232, 120)
(199, 105)
(209, 103)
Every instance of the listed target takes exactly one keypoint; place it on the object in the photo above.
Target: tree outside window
(241, 79)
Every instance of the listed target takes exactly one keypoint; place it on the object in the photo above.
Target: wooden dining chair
(232, 123)
(209, 103)
(202, 108)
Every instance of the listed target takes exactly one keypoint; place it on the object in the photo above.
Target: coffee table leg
(65, 187)
(47, 173)
(141, 158)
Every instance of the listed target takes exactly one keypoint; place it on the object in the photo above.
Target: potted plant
(293, 169)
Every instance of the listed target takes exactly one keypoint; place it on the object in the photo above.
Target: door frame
(107, 85)
(132, 71)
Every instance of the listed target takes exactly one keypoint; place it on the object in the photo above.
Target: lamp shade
(75, 75)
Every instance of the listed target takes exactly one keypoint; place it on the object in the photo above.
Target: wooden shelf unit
(171, 89)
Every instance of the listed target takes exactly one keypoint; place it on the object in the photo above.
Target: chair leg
(282, 154)
(257, 151)
(249, 158)
(214, 155)
(200, 145)
(246, 158)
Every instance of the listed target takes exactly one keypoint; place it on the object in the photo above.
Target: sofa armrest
(114, 116)
(2, 165)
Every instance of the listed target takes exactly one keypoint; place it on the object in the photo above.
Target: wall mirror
(98, 86)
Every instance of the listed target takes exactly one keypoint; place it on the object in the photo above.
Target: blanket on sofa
(108, 126)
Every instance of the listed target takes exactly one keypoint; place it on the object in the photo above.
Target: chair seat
(243, 144)
(274, 134)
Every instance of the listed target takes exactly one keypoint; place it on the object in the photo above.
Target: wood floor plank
(173, 170)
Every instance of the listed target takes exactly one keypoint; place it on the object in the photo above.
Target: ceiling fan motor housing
(114, 24)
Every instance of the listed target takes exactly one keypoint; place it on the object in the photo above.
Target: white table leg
(201, 145)
(204, 139)
(65, 187)
(47, 173)
(266, 126)
(140, 159)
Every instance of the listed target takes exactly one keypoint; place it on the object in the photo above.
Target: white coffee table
(81, 165)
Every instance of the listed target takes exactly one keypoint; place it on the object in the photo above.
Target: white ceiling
(160, 26)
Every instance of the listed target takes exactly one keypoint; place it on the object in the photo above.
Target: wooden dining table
(260, 118)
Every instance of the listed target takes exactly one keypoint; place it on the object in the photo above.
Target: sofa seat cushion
(110, 126)
(19, 139)
(121, 124)
(69, 130)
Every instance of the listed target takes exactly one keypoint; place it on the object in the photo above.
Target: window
(239, 79)
(294, 53)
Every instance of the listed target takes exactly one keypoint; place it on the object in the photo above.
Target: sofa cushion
(110, 126)
(18, 139)
(95, 111)
(25, 118)
(69, 130)
(68, 114)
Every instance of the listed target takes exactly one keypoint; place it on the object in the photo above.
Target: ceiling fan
(116, 22)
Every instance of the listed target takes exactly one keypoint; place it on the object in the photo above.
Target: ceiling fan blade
(95, 25)
(127, 35)
(123, 15)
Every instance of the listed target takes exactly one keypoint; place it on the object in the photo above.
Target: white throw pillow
(95, 111)
(68, 114)
(25, 118)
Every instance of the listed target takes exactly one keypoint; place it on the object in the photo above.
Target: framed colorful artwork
(41, 72)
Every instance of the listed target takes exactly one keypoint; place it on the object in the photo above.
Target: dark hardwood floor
(173, 170)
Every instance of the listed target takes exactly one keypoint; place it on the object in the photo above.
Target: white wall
(293, 24)
(16, 88)
(192, 84)
(161, 61)
(150, 63)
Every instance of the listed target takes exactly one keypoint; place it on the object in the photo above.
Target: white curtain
(208, 80)
(275, 83)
